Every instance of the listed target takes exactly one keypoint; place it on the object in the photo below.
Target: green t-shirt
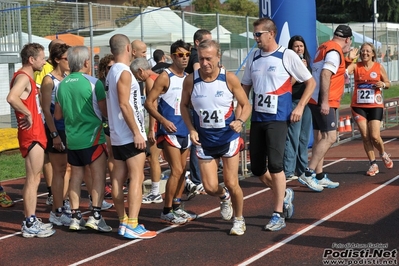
(78, 95)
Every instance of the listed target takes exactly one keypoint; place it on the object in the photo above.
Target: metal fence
(39, 19)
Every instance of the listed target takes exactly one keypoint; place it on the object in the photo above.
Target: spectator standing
(296, 145)
(160, 60)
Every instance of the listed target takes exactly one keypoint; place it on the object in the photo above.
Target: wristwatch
(54, 134)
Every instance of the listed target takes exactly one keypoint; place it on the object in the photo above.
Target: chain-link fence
(93, 24)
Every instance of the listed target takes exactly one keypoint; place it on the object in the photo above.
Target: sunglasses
(259, 33)
(183, 54)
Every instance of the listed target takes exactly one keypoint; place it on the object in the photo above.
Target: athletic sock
(30, 220)
(96, 213)
(133, 222)
(226, 195)
(176, 203)
(155, 188)
(280, 213)
(320, 176)
(123, 220)
(49, 192)
(309, 172)
(76, 214)
(373, 162)
(166, 210)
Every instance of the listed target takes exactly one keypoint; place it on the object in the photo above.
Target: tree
(241, 8)
(207, 6)
(46, 19)
(343, 11)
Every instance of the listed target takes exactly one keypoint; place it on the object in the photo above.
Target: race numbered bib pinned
(365, 93)
(212, 119)
(266, 103)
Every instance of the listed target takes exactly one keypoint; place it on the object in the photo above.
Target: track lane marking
(310, 227)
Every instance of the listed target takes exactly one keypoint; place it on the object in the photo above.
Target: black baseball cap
(343, 31)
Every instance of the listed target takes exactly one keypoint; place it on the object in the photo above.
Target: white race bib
(212, 119)
(266, 103)
(365, 95)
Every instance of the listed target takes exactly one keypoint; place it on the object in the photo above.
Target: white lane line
(310, 227)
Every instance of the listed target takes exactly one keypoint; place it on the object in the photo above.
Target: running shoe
(326, 182)
(226, 209)
(151, 198)
(292, 177)
(190, 188)
(173, 218)
(387, 160)
(104, 206)
(44, 225)
(67, 205)
(63, 219)
(238, 227)
(5, 200)
(98, 225)
(36, 230)
(311, 182)
(77, 225)
(139, 232)
(373, 170)
(185, 215)
(276, 223)
(200, 190)
(122, 229)
(288, 206)
(49, 200)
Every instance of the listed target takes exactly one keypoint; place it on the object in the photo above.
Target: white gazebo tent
(154, 26)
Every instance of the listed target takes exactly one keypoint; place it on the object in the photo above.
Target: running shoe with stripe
(172, 218)
(36, 230)
(276, 223)
(122, 229)
(326, 182)
(238, 227)
(49, 200)
(226, 209)
(310, 182)
(139, 232)
(151, 198)
(185, 215)
(77, 225)
(288, 206)
(373, 170)
(387, 160)
(98, 225)
(62, 220)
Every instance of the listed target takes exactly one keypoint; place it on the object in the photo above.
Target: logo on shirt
(272, 69)
(71, 80)
(199, 96)
(373, 75)
(219, 94)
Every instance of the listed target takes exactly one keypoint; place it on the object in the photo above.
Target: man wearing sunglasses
(269, 72)
(172, 134)
(328, 70)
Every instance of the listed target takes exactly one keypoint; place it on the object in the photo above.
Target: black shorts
(368, 113)
(324, 123)
(267, 143)
(50, 148)
(124, 152)
(86, 156)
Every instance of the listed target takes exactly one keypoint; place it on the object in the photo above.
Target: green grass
(12, 165)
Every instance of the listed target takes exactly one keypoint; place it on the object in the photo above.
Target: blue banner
(292, 17)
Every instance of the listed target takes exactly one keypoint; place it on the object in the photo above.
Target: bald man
(139, 49)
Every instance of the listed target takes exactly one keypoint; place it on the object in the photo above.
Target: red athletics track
(362, 210)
